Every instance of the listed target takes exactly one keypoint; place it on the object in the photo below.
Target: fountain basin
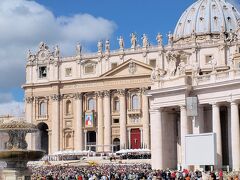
(19, 158)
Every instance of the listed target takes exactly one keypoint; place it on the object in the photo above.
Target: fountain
(15, 150)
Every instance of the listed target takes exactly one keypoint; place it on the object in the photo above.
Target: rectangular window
(116, 121)
(43, 109)
(89, 69)
(43, 72)
(208, 59)
(113, 65)
(152, 63)
(68, 72)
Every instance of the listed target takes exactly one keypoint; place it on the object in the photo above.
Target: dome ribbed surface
(206, 17)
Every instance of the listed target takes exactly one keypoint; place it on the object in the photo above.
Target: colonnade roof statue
(201, 63)
(206, 17)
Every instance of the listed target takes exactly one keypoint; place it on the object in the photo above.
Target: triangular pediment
(130, 67)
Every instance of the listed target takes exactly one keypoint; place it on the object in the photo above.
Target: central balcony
(134, 111)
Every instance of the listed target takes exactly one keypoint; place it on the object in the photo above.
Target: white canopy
(125, 151)
(73, 152)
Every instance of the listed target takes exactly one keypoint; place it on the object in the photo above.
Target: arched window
(91, 104)
(116, 104)
(43, 109)
(68, 139)
(68, 107)
(135, 102)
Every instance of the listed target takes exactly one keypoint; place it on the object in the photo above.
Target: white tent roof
(73, 152)
(125, 151)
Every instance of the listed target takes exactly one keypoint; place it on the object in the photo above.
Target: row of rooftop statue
(134, 45)
(230, 37)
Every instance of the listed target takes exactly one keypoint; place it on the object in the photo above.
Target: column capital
(78, 95)
(143, 90)
(121, 92)
(234, 102)
(183, 107)
(214, 104)
(56, 97)
(29, 99)
(106, 93)
(99, 94)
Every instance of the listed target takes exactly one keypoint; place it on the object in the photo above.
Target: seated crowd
(135, 156)
(120, 172)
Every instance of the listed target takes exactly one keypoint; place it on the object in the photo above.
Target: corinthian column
(216, 127)
(55, 123)
(235, 136)
(78, 118)
(145, 117)
(107, 122)
(100, 121)
(156, 137)
(184, 131)
(123, 119)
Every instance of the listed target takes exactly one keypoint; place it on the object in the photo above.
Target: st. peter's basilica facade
(136, 97)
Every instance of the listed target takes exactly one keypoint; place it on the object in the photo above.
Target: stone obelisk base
(11, 174)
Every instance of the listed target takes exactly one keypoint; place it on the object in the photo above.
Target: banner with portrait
(89, 119)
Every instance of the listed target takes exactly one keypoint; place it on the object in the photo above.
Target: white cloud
(6, 97)
(26, 23)
(12, 108)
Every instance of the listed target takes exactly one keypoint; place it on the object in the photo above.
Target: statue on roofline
(133, 40)
(159, 39)
(121, 42)
(79, 49)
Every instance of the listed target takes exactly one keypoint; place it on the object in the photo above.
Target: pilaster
(100, 125)
(145, 120)
(123, 119)
(107, 121)
(55, 122)
(78, 118)
(29, 117)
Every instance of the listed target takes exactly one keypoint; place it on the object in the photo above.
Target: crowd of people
(135, 156)
(121, 172)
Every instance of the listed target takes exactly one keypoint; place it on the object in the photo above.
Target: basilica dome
(207, 17)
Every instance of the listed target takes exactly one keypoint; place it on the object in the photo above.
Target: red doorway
(135, 139)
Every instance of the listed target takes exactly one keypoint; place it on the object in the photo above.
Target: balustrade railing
(42, 116)
(222, 75)
(217, 77)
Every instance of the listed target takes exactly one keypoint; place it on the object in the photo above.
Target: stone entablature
(46, 66)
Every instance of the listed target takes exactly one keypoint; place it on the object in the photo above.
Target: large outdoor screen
(200, 149)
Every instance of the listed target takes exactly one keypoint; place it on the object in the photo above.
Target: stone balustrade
(216, 77)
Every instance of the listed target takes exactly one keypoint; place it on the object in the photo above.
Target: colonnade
(156, 117)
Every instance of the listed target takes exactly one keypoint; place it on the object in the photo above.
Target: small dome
(206, 17)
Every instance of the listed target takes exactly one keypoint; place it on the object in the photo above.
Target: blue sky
(25, 23)
(140, 16)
